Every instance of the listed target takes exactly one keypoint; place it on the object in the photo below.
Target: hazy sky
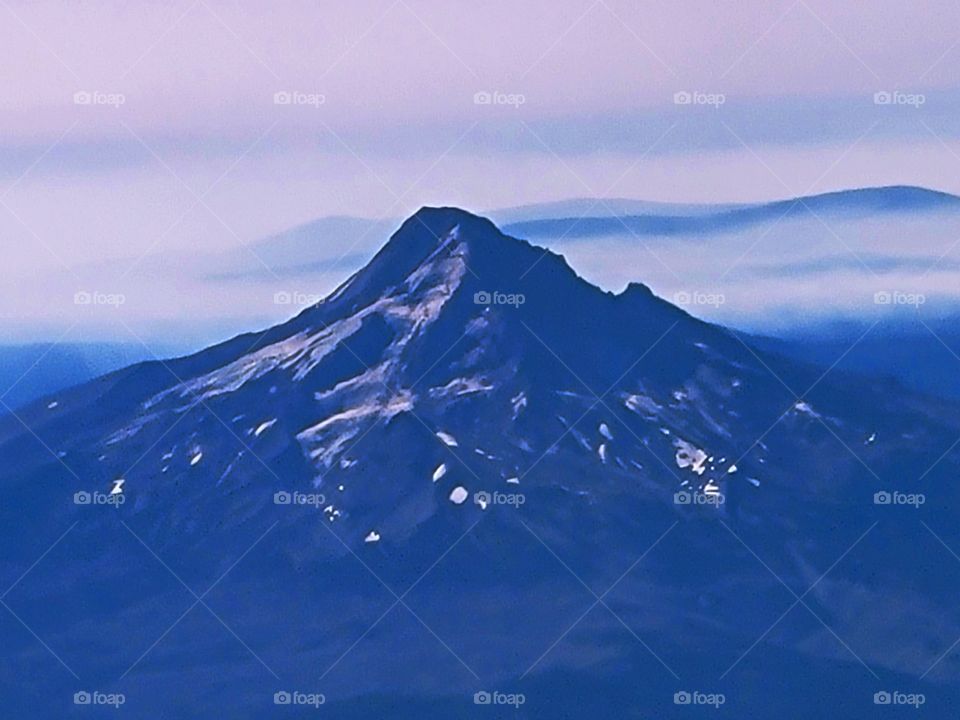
(135, 129)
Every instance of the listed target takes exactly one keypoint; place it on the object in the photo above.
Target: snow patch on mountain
(643, 405)
(459, 387)
(806, 409)
(690, 456)
(263, 427)
(518, 402)
(447, 439)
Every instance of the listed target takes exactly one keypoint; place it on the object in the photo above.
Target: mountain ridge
(460, 371)
(707, 219)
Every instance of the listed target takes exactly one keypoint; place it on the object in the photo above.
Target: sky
(140, 142)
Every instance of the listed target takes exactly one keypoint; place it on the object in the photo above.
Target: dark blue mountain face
(469, 471)
(920, 353)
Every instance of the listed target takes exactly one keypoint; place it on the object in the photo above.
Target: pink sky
(183, 151)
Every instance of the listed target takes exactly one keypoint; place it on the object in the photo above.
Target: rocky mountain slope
(469, 470)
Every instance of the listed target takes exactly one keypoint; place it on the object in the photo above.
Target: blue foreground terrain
(470, 484)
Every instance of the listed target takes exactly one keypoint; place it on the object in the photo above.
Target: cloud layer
(144, 135)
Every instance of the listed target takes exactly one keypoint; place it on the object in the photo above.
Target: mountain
(585, 219)
(603, 208)
(468, 470)
(852, 241)
(327, 244)
(33, 370)
(860, 244)
(923, 355)
(335, 242)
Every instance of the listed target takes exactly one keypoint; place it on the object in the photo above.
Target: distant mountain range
(587, 219)
(469, 471)
(31, 371)
(818, 262)
(924, 357)
(297, 250)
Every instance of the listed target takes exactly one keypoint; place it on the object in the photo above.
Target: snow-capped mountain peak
(465, 400)
(454, 330)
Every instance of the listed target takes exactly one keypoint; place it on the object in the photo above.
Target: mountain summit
(468, 434)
